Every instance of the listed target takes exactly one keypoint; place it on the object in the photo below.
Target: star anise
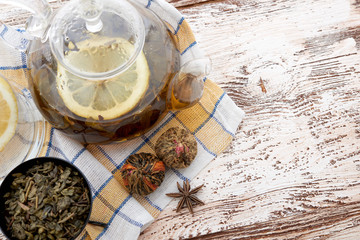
(186, 196)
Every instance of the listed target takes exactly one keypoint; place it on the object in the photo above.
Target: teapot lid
(97, 39)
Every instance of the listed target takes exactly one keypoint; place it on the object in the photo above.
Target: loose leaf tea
(176, 147)
(49, 201)
(143, 173)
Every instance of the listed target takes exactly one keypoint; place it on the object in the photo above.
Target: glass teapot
(105, 70)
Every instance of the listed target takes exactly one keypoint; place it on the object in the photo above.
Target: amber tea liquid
(148, 110)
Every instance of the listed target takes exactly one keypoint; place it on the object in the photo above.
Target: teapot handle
(187, 86)
(36, 24)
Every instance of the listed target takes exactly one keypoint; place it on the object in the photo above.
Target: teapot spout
(187, 86)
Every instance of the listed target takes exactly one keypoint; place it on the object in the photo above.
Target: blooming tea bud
(176, 147)
(143, 173)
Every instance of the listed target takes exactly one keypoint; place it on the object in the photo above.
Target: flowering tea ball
(176, 147)
(143, 173)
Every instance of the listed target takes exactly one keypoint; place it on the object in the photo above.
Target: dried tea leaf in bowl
(176, 147)
(142, 173)
(49, 200)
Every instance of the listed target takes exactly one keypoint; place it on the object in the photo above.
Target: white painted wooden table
(293, 170)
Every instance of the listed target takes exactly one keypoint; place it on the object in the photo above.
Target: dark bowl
(22, 168)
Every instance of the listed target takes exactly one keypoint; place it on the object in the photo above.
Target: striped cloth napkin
(213, 122)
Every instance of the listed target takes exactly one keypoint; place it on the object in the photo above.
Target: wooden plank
(180, 4)
(292, 171)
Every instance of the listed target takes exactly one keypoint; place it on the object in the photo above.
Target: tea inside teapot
(106, 71)
(95, 108)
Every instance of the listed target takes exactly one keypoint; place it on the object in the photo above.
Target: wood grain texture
(293, 169)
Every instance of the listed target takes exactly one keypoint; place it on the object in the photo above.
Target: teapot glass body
(102, 75)
(56, 98)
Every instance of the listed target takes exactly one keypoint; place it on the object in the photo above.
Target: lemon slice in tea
(108, 98)
(9, 113)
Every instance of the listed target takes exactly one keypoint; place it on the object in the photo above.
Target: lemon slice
(9, 113)
(103, 99)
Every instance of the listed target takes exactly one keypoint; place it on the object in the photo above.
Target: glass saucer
(28, 139)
